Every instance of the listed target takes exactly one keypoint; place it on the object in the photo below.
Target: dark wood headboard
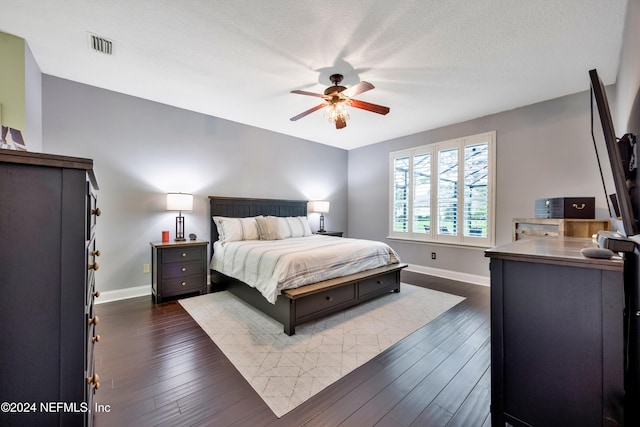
(240, 208)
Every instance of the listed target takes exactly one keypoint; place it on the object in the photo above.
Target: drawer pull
(95, 266)
(96, 212)
(95, 339)
(95, 380)
(94, 320)
(579, 207)
(184, 283)
(329, 299)
(183, 254)
(95, 253)
(183, 269)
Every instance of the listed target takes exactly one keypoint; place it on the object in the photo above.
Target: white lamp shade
(179, 202)
(319, 206)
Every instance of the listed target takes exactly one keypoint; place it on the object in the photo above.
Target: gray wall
(543, 150)
(33, 102)
(627, 105)
(143, 150)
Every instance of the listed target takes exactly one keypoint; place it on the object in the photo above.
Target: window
(444, 192)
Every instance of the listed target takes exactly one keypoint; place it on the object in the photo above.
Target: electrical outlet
(433, 255)
(146, 268)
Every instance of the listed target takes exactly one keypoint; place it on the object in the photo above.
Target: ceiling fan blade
(304, 92)
(380, 109)
(358, 89)
(341, 123)
(309, 111)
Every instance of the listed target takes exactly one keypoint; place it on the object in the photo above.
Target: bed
(305, 301)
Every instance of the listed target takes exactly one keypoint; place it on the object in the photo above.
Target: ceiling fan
(337, 98)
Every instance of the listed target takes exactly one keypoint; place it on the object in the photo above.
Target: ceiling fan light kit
(336, 100)
(337, 112)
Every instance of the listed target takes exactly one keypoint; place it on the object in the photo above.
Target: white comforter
(273, 265)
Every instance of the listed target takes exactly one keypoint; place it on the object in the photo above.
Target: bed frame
(310, 302)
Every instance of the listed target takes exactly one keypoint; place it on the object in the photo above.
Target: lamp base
(180, 229)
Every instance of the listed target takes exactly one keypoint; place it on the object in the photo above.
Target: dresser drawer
(92, 340)
(376, 284)
(325, 300)
(181, 254)
(93, 212)
(182, 285)
(91, 377)
(92, 266)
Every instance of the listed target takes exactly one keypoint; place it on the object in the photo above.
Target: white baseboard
(450, 274)
(140, 291)
(126, 293)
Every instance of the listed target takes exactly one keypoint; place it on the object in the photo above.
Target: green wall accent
(12, 81)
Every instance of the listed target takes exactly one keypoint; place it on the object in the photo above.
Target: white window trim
(432, 236)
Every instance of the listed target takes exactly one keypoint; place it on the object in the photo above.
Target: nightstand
(178, 268)
(330, 233)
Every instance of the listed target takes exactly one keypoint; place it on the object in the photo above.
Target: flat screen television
(622, 169)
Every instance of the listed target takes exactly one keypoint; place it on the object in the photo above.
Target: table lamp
(179, 202)
(321, 207)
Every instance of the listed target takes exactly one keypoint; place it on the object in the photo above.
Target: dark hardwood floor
(157, 367)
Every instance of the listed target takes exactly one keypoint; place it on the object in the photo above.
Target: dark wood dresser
(48, 258)
(557, 335)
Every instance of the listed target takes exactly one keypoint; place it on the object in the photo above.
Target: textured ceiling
(434, 63)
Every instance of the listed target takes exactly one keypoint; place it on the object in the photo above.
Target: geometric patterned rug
(287, 370)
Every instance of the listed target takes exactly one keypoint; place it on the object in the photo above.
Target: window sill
(464, 245)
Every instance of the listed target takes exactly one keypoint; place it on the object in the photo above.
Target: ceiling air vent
(100, 44)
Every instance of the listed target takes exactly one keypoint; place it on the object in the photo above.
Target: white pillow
(268, 228)
(294, 226)
(236, 229)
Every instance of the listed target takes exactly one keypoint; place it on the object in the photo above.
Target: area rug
(287, 370)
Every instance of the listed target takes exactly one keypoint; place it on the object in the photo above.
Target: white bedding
(274, 265)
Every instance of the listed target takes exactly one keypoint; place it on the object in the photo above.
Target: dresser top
(26, 157)
(560, 251)
(48, 160)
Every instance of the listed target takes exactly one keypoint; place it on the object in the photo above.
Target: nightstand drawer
(181, 254)
(182, 285)
(181, 269)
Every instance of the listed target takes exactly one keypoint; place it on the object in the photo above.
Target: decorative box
(566, 207)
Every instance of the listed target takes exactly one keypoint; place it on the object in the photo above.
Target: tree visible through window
(456, 206)
(401, 194)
